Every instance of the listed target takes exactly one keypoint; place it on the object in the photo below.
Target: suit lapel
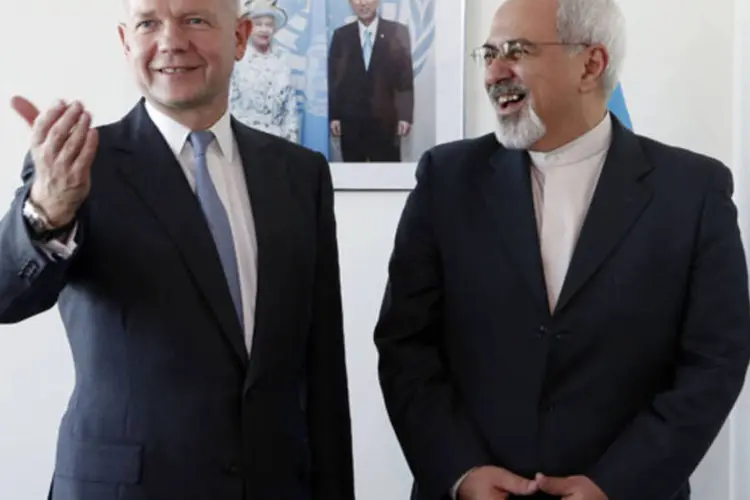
(354, 44)
(156, 176)
(379, 44)
(506, 187)
(266, 175)
(618, 201)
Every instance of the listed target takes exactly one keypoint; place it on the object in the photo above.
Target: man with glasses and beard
(567, 313)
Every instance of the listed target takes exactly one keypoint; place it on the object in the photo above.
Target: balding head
(559, 61)
(233, 6)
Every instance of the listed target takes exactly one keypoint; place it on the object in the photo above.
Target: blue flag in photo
(619, 107)
(314, 127)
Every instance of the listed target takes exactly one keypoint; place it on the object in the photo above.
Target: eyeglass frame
(525, 47)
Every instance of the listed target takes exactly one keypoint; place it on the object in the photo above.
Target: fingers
(44, 122)
(515, 484)
(62, 128)
(86, 156)
(72, 146)
(25, 108)
(555, 485)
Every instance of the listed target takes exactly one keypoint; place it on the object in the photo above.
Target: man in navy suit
(370, 86)
(194, 261)
(567, 310)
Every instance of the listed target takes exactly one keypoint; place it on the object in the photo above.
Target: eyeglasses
(512, 50)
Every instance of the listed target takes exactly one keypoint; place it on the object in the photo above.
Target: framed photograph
(371, 84)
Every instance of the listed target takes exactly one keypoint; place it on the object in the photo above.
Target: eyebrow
(192, 13)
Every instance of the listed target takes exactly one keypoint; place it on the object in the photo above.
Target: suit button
(561, 335)
(542, 331)
(29, 269)
(232, 469)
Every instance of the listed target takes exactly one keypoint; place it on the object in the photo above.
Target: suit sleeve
(31, 277)
(405, 90)
(435, 432)
(335, 67)
(663, 445)
(328, 396)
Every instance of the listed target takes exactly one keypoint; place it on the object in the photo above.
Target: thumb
(25, 108)
(507, 481)
(554, 485)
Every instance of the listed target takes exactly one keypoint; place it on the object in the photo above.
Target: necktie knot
(200, 140)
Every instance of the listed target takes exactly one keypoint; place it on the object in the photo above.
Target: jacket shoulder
(449, 161)
(681, 165)
(394, 25)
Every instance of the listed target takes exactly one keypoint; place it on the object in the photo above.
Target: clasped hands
(495, 483)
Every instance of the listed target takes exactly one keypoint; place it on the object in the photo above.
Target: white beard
(520, 130)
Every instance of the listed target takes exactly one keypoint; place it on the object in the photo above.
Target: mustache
(506, 87)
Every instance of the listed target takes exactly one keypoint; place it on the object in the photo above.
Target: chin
(520, 130)
(177, 100)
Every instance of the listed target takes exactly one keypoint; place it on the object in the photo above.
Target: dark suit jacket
(630, 379)
(384, 91)
(166, 403)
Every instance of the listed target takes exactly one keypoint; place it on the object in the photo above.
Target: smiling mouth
(176, 71)
(508, 101)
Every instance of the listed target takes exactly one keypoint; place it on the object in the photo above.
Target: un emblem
(419, 16)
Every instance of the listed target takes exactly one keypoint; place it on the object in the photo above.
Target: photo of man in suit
(194, 262)
(567, 311)
(370, 85)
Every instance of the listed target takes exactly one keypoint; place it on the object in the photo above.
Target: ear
(596, 60)
(242, 34)
(122, 31)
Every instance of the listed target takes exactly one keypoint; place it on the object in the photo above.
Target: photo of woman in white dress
(262, 95)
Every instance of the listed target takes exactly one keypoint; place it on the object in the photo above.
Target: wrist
(52, 216)
(41, 228)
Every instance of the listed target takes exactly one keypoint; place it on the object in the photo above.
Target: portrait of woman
(262, 95)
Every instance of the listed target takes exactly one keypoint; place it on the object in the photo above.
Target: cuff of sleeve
(457, 485)
(61, 248)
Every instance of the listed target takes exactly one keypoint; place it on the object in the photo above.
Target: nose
(172, 38)
(498, 70)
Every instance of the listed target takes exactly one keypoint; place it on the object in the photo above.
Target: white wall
(678, 82)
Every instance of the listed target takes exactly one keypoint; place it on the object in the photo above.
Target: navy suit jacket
(166, 403)
(385, 90)
(628, 381)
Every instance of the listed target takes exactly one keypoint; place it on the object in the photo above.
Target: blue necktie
(367, 48)
(216, 216)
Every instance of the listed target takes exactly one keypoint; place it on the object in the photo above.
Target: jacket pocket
(98, 461)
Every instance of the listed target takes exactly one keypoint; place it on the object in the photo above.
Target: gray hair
(595, 22)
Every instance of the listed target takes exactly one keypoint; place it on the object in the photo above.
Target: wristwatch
(39, 224)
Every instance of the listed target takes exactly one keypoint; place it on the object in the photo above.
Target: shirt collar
(595, 141)
(176, 134)
(372, 28)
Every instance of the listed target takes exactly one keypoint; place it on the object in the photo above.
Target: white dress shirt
(372, 28)
(563, 183)
(228, 175)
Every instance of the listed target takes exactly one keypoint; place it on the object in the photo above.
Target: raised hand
(63, 146)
